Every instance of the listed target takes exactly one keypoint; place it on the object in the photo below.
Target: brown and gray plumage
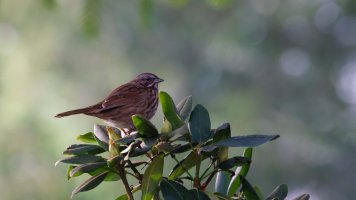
(138, 96)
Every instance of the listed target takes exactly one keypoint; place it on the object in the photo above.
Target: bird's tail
(73, 112)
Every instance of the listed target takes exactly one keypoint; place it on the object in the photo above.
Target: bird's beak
(158, 80)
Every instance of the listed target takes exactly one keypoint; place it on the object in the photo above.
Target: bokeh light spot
(326, 15)
(346, 85)
(345, 31)
(294, 62)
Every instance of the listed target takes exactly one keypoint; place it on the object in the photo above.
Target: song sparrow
(139, 96)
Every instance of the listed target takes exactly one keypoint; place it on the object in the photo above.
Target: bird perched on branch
(138, 96)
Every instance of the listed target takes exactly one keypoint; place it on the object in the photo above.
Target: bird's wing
(124, 95)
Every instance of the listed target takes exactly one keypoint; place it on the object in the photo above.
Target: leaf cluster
(106, 154)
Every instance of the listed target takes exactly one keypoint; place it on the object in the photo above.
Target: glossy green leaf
(170, 111)
(280, 192)
(222, 178)
(86, 168)
(182, 131)
(113, 161)
(152, 177)
(199, 124)
(87, 138)
(258, 192)
(166, 128)
(144, 147)
(222, 182)
(184, 107)
(89, 184)
(112, 176)
(101, 136)
(70, 167)
(126, 140)
(302, 197)
(233, 162)
(246, 141)
(240, 172)
(182, 148)
(144, 127)
(164, 147)
(187, 163)
(207, 149)
(82, 149)
(198, 195)
(80, 159)
(248, 191)
(173, 190)
(222, 132)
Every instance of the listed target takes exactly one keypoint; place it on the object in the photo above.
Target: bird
(136, 97)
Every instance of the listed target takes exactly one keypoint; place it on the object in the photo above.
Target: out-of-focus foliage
(279, 66)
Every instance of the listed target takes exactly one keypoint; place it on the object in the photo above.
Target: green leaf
(222, 182)
(207, 149)
(87, 138)
(233, 162)
(101, 136)
(184, 165)
(246, 141)
(184, 107)
(82, 149)
(70, 167)
(280, 192)
(170, 111)
(248, 191)
(164, 147)
(182, 131)
(239, 174)
(198, 195)
(199, 124)
(258, 191)
(144, 127)
(144, 147)
(302, 197)
(173, 190)
(89, 184)
(222, 132)
(112, 176)
(182, 148)
(152, 177)
(222, 178)
(86, 168)
(80, 159)
(126, 140)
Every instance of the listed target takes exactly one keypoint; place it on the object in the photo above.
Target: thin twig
(138, 174)
(207, 169)
(122, 174)
(174, 158)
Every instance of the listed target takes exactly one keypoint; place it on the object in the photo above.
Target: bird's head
(148, 80)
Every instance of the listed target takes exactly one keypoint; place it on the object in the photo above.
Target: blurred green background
(265, 66)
